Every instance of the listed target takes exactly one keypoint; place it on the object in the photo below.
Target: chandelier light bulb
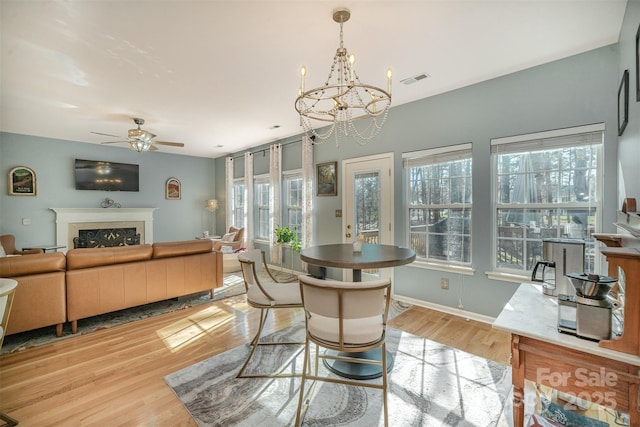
(303, 72)
(352, 60)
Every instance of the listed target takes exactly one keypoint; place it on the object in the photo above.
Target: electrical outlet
(444, 283)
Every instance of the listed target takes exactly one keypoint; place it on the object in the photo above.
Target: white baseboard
(446, 309)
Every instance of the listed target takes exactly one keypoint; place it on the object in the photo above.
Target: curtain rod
(264, 150)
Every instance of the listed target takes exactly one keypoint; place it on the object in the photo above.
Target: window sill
(508, 277)
(469, 271)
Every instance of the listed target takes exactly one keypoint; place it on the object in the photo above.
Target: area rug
(430, 385)
(233, 285)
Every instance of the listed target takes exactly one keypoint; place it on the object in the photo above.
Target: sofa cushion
(33, 264)
(93, 257)
(189, 247)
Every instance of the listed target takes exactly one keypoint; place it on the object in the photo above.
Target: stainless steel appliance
(588, 313)
(559, 257)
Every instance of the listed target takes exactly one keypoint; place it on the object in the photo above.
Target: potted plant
(288, 236)
(285, 235)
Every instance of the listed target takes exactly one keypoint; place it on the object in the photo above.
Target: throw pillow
(2, 252)
(229, 237)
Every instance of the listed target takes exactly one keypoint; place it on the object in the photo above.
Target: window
(238, 203)
(546, 185)
(439, 204)
(293, 201)
(261, 194)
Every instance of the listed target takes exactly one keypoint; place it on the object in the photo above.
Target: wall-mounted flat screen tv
(106, 176)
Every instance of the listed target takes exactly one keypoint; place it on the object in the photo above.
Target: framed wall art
(173, 189)
(22, 181)
(327, 179)
(638, 64)
(623, 103)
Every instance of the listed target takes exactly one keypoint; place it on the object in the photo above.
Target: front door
(367, 202)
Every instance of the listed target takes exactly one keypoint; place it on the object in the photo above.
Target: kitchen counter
(564, 362)
(532, 314)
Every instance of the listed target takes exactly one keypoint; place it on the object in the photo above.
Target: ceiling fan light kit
(140, 140)
(343, 99)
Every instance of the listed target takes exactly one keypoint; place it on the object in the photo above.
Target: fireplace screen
(108, 237)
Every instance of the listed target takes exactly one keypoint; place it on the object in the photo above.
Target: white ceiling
(217, 75)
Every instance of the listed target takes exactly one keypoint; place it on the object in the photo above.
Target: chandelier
(343, 100)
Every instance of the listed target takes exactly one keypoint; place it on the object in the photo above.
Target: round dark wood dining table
(341, 255)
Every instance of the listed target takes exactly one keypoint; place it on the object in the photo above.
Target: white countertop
(530, 313)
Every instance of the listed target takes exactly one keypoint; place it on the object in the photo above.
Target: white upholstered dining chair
(265, 293)
(346, 317)
(7, 291)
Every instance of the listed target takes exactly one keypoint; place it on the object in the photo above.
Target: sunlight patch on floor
(183, 332)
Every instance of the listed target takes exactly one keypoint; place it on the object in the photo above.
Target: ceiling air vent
(415, 78)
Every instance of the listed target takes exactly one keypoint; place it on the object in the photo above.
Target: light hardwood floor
(114, 377)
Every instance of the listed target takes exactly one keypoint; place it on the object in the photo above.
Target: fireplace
(70, 221)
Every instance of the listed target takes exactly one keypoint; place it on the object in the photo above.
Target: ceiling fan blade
(172, 144)
(113, 142)
(106, 134)
(152, 148)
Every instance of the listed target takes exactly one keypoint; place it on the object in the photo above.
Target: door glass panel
(367, 209)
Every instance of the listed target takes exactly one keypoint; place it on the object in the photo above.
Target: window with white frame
(438, 185)
(261, 195)
(546, 185)
(293, 201)
(238, 203)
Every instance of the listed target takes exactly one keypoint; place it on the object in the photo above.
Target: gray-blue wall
(570, 92)
(574, 91)
(629, 141)
(53, 162)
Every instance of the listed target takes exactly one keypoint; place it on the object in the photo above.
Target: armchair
(8, 242)
(236, 243)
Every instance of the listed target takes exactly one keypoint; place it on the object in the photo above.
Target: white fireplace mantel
(67, 216)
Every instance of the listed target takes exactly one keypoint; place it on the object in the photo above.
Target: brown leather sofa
(53, 289)
(40, 298)
(102, 280)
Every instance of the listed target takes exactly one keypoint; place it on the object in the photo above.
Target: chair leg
(384, 384)
(305, 365)
(8, 421)
(254, 342)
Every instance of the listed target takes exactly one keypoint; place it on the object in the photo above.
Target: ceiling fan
(139, 139)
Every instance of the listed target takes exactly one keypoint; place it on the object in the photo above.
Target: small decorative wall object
(22, 181)
(623, 103)
(109, 203)
(173, 189)
(327, 179)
